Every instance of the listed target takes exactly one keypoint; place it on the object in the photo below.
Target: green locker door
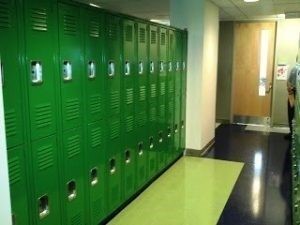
(128, 108)
(152, 100)
(183, 89)
(18, 190)
(93, 25)
(162, 81)
(170, 96)
(112, 57)
(72, 195)
(70, 64)
(40, 28)
(45, 182)
(141, 107)
(11, 73)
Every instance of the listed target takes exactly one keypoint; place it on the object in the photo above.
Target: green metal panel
(96, 172)
(18, 190)
(70, 65)
(11, 73)
(114, 192)
(141, 106)
(40, 28)
(72, 195)
(128, 107)
(45, 184)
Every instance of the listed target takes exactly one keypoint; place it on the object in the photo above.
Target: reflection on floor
(268, 129)
(192, 192)
(262, 193)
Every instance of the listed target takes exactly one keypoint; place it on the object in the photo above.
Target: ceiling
(229, 9)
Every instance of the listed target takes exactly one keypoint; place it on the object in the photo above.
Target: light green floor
(192, 192)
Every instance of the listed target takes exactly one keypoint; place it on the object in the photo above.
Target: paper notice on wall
(262, 90)
(282, 72)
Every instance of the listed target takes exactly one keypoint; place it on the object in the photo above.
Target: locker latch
(127, 157)
(112, 165)
(13, 219)
(182, 124)
(169, 132)
(111, 68)
(1, 72)
(183, 65)
(160, 136)
(36, 72)
(140, 148)
(151, 142)
(170, 66)
(67, 70)
(127, 68)
(43, 205)
(175, 128)
(177, 66)
(162, 66)
(141, 67)
(151, 67)
(91, 69)
(94, 176)
(72, 192)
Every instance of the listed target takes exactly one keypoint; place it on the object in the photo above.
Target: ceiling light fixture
(251, 0)
(94, 5)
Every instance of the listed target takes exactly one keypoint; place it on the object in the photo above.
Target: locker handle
(127, 157)
(127, 68)
(162, 66)
(13, 219)
(141, 67)
(72, 192)
(91, 69)
(43, 205)
(67, 71)
(170, 66)
(183, 65)
(111, 68)
(2, 73)
(160, 136)
(151, 67)
(177, 66)
(151, 142)
(140, 148)
(176, 128)
(112, 164)
(169, 132)
(182, 124)
(36, 72)
(94, 176)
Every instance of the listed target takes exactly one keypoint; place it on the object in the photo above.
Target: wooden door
(253, 68)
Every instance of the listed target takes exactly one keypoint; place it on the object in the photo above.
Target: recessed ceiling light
(251, 0)
(94, 5)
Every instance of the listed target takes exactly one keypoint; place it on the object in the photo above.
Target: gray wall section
(225, 60)
(287, 44)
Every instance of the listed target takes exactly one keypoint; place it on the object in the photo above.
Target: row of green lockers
(94, 108)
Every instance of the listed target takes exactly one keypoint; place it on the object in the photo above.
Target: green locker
(40, 28)
(70, 64)
(45, 185)
(128, 107)
(141, 107)
(18, 190)
(183, 89)
(96, 172)
(152, 100)
(11, 73)
(162, 81)
(72, 196)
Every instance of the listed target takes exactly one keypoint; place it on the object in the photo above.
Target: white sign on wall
(282, 72)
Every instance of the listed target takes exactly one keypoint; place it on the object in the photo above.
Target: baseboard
(202, 152)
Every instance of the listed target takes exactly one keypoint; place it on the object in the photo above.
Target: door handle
(270, 88)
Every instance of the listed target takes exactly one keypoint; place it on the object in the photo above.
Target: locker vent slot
(129, 96)
(94, 28)
(70, 25)
(14, 170)
(11, 123)
(141, 118)
(43, 116)
(129, 123)
(114, 129)
(153, 90)
(97, 208)
(73, 146)
(5, 15)
(163, 39)
(72, 109)
(76, 220)
(153, 37)
(142, 96)
(39, 19)
(162, 88)
(171, 87)
(114, 102)
(171, 106)
(112, 30)
(162, 111)
(95, 104)
(152, 114)
(128, 33)
(45, 157)
(96, 137)
(142, 35)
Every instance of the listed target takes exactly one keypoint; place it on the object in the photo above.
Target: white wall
(5, 207)
(201, 18)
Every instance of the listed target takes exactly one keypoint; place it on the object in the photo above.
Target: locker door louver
(142, 35)
(112, 30)
(128, 33)
(153, 37)
(14, 170)
(163, 39)
(73, 146)
(94, 28)
(39, 19)
(5, 17)
(45, 157)
(70, 25)
(11, 123)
